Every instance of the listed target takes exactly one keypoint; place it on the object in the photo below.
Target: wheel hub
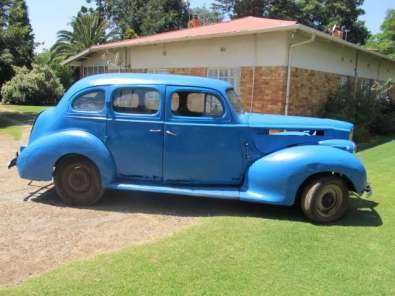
(329, 200)
(78, 179)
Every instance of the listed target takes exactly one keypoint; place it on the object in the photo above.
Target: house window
(231, 75)
(98, 69)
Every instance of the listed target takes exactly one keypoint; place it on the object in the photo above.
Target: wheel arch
(277, 177)
(311, 178)
(38, 160)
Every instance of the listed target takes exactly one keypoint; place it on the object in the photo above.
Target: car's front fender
(276, 178)
(37, 160)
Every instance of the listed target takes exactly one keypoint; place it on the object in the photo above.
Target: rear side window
(136, 100)
(91, 101)
(196, 104)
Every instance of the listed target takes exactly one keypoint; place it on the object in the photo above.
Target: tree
(66, 75)
(16, 37)
(6, 58)
(20, 34)
(319, 14)
(144, 17)
(384, 41)
(206, 16)
(36, 86)
(87, 29)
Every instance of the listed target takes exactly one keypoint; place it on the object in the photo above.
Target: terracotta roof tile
(241, 25)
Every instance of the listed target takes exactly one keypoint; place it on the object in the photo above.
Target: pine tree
(6, 58)
(20, 34)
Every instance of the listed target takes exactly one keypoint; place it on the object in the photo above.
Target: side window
(136, 100)
(196, 104)
(92, 101)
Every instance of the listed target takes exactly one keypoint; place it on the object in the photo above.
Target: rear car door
(135, 131)
(202, 145)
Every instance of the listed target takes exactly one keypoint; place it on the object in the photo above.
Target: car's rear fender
(37, 160)
(277, 177)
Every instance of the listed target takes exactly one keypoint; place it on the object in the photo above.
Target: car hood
(256, 120)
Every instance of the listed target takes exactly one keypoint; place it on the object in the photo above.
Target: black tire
(78, 182)
(325, 200)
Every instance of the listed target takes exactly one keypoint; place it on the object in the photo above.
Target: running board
(224, 193)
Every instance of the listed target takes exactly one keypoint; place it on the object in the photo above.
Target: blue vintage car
(189, 136)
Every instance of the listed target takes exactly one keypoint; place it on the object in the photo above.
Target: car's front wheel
(325, 199)
(78, 182)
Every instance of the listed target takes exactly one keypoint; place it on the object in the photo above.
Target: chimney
(194, 22)
(337, 32)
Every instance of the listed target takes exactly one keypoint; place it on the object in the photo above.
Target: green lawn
(13, 117)
(255, 251)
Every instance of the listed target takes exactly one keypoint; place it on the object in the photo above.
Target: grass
(13, 117)
(268, 251)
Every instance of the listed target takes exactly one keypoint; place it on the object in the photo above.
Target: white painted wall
(326, 56)
(234, 51)
(268, 49)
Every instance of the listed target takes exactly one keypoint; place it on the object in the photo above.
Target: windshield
(235, 100)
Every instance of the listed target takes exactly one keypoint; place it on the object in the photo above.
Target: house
(277, 66)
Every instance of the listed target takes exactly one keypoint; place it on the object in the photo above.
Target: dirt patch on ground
(38, 233)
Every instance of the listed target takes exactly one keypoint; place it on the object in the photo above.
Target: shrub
(35, 87)
(370, 109)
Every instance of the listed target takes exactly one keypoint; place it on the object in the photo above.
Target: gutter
(77, 56)
(289, 76)
(285, 28)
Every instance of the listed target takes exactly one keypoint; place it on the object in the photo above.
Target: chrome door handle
(170, 133)
(155, 130)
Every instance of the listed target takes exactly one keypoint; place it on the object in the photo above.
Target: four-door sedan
(190, 136)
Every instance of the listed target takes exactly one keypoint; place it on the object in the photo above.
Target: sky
(49, 16)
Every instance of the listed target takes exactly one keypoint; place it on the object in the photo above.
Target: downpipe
(290, 51)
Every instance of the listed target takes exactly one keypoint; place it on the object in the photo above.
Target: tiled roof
(237, 26)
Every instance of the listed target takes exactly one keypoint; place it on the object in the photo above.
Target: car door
(135, 131)
(202, 145)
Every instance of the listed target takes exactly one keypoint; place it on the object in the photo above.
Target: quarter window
(92, 101)
(196, 104)
(136, 100)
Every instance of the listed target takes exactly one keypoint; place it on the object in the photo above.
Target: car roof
(141, 79)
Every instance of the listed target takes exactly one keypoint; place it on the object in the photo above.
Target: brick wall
(310, 89)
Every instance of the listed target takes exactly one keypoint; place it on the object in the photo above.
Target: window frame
(170, 116)
(236, 75)
(205, 96)
(84, 92)
(158, 114)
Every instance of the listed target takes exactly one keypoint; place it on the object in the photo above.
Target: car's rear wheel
(325, 199)
(78, 182)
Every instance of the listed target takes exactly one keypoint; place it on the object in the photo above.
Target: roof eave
(77, 56)
(109, 46)
(293, 27)
(341, 41)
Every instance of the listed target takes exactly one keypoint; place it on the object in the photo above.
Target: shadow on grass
(375, 141)
(362, 211)
(16, 118)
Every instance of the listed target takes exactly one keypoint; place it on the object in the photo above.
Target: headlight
(351, 135)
